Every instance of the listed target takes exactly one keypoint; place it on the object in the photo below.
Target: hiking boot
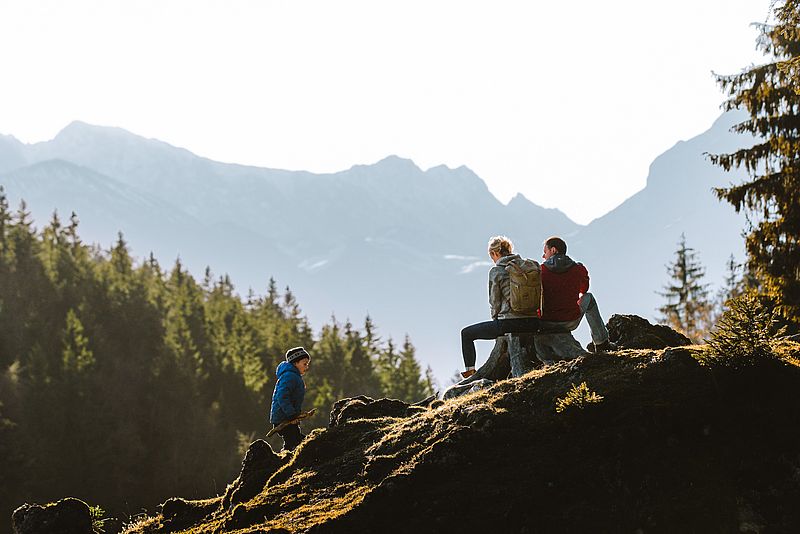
(605, 346)
(468, 373)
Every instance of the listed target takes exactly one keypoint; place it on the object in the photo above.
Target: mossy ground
(678, 443)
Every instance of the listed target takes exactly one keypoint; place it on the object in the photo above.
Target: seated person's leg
(560, 326)
(485, 330)
(595, 320)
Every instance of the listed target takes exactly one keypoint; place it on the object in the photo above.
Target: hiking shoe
(468, 373)
(605, 346)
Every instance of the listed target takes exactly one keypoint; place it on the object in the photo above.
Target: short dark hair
(556, 243)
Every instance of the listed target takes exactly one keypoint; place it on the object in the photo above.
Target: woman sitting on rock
(515, 310)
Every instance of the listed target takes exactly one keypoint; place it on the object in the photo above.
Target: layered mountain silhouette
(406, 245)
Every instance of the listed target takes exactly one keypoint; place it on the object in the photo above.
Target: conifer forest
(125, 383)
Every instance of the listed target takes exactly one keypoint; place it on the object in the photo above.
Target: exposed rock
(258, 465)
(456, 390)
(425, 403)
(634, 332)
(497, 367)
(522, 354)
(363, 407)
(514, 354)
(557, 346)
(181, 514)
(67, 516)
(174, 507)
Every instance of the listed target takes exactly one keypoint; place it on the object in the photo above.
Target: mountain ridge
(332, 237)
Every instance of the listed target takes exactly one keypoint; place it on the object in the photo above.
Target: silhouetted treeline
(123, 383)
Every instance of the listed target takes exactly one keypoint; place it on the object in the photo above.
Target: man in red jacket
(565, 295)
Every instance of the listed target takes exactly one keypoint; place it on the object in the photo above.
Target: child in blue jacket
(287, 398)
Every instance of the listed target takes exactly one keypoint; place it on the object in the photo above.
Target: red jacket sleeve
(584, 279)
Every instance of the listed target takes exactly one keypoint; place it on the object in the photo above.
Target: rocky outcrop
(179, 514)
(67, 516)
(260, 462)
(363, 407)
(670, 442)
(634, 332)
(553, 347)
(516, 355)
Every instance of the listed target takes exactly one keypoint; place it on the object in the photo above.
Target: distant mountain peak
(398, 163)
(79, 135)
(79, 130)
(519, 198)
(389, 166)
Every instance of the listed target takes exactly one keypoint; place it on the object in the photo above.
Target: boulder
(552, 347)
(463, 387)
(174, 508)
(497, 367)
(363, 407)
(634, 332)
(67, 516)
(258, 465)
(180, 514)
(512, 354)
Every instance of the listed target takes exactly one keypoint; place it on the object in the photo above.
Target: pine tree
(273, 295)
(408, 380)
(330, 358)
(76, 356)
(361, 378)
(72, 230)
(400, 373)
(687, 308)
(770, 93)
(5, 219)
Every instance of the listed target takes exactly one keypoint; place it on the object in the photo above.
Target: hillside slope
(676, 444)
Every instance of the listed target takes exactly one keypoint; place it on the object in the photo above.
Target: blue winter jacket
(287, 399)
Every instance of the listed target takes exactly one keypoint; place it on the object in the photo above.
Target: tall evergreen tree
(733, 285)
(77, 356)
(770, 93)
(408, 380)
(687, 308)
(5, 219)
(361, 379)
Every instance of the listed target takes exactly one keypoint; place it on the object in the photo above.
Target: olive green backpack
(525, 278)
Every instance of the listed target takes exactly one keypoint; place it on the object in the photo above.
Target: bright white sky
(566, 102)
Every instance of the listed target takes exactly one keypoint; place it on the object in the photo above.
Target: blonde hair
(501, 244)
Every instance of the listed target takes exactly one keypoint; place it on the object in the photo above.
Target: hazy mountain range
(405, 245)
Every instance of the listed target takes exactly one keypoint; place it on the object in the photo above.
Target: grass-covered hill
(645, 441)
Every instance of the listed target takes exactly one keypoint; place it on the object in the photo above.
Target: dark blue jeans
(492, 330)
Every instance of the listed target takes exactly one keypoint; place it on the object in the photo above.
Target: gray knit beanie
(296, 354)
